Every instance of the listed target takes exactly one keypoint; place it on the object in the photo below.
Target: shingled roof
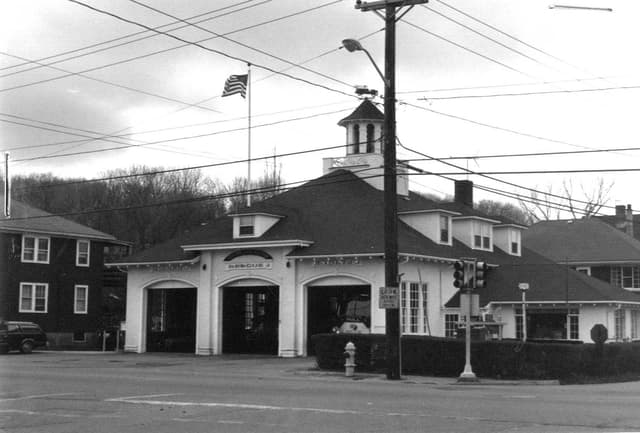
(338, 212)
(586, 240)
(548, 282)
(365, 111)
(28, 219)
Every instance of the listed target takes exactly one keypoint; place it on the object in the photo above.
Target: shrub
(507, 359)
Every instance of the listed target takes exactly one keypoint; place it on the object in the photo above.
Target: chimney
(464, 192)
(624, 219)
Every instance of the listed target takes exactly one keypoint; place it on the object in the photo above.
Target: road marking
(29, 397)
(134, 400)
(62, 415)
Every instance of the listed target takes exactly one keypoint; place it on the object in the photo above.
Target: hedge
(506, 359)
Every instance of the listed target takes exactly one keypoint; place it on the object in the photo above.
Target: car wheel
(26, 347)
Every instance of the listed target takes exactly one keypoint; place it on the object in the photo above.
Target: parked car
(22, 336)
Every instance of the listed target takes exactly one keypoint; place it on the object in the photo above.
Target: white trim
(254, 213)
(257, 244)
(449, 212)
(61, 234)
(322, 256)
(512, 225)
(75, 299)
(473, 217)
(35, 249)
(561, 303)
(632, 262)
(33, 298)
(167, 262)
(78, 242)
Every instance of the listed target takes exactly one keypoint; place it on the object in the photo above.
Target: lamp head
(352, 45)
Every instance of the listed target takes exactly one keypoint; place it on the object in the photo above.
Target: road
(57, 392)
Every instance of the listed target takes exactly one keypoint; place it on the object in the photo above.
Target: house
(604, 252)
(51, 273)
(310, 260)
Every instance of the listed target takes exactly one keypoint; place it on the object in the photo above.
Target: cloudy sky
(474, 79)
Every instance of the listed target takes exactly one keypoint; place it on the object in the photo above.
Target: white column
(136, 317)
(288, 312)
(203, 310)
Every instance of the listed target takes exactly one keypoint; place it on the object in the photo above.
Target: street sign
(474, 308)
(389, 298)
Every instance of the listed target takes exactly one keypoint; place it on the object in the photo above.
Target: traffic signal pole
(392, 315)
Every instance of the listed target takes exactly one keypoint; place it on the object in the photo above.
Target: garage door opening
(345, 309)
(171, 320)
(250, 320)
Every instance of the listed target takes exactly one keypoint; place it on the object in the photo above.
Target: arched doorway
(171, 318)
(250, 318)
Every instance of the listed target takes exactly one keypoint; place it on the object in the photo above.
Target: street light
(352, 45)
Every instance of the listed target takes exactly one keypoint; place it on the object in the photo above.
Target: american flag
(235, 84)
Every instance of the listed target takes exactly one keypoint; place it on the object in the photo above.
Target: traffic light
(458, 274)
(480, 275)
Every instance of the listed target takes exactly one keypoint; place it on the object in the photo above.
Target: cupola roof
(366, 111)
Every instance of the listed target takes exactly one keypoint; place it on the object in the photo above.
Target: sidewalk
(251, 365)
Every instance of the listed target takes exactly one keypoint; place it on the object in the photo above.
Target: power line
(498, 128)
(128, 36)
(539, 92)
(125, 136)
(243, 44)
(494, 86)
(504, 65)
(178, 138)
(515, 38)
(486, 174)
(109, 83)
(488, 38)
(518, 155)
(278, 188)
(196, 44)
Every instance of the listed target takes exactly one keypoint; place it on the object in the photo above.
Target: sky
(473, 80)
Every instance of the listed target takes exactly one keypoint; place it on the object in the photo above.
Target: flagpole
(249, 91)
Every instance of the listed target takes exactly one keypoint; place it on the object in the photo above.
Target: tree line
(128, 202)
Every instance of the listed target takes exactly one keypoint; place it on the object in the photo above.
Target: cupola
(365, 148)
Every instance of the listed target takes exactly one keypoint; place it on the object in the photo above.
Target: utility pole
(392, 315)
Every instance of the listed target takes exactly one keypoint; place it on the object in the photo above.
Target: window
(79, 337)
(619, 317)
(370, 142)
(444, 229)
(574, 329)
(356, 139)
(481, 235)
(35, 249)
(450, 325)
(80, 299)
(413, 306)
(514, 238)
(82, 253)
(33, 297)
(519, 330)
(625, 277)
(246, 224)
(635, 324)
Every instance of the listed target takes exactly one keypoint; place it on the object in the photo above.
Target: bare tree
(548, 205)
(507, 210)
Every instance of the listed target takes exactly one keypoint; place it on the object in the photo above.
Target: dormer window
(247, 225)
(445, 229)
(481, 235)
(515, 241)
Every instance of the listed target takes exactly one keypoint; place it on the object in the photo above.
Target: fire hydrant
(350, 359)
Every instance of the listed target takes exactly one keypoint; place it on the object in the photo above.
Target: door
(250, 320)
